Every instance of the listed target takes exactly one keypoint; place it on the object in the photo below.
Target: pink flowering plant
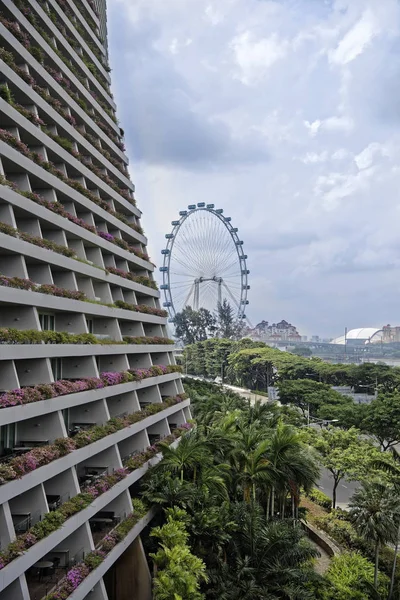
(37, 241)
(55, 519)
(143, 308)
(63, 387)
(142, 279)
(43, 455)
(50, 289)
(79, 572)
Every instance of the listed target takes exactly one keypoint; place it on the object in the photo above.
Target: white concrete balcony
(36, 552)
(29, 351)
(94, 577)
(14, 414)
(72, 55)
(64, 156)
(19, 486)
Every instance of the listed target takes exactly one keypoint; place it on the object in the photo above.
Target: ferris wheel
(204, 262)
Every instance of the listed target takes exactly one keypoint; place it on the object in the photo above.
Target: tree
(266, 560)
(291, 467)
(190, 454)
(302, 351)
(390, 464)
(374, 513)
(253, 367)
(256, 469)
(194, 326)
(309, 395)
(383, 419)
(228, 326)
(344, 453)
(179, 572)
(346, 415)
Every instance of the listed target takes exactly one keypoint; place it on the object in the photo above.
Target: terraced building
(88, 384)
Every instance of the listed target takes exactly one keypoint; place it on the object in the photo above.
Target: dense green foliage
(199, 325)
(263, 457)
(320, 498)
(344, 453)
(306, 383)
(350, 577)
(254, 365)
(179, 571)
(238, 478)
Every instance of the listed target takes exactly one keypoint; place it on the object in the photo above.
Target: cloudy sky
(286, 114)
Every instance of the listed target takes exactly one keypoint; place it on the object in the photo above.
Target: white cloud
(335, 187)
(314, 157)
(213, 15)
(316, 84)
(341, 154)
(356, 40)
(255, 56)
(344, 123)
(366, 157)
(313, 127)
(175, 45)
(335, 123)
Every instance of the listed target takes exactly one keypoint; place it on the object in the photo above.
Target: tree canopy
(193, 326)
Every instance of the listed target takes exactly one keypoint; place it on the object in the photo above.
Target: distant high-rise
(87, 377)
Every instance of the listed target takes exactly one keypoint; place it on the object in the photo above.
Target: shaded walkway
(322, 563)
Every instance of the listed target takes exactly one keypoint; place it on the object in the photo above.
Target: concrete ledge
(94, 577)
(69, 50)
(20, 565)
(26, 351)
(57, 303)
(26, 482)
(321, 539)
(13, 414)
(83, 22)
(79, 38)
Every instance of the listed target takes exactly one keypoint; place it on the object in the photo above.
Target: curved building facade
(88, 383)
(362, 335)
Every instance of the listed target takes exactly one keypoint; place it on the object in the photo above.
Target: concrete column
(130, 576)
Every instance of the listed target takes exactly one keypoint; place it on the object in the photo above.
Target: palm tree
(391, 465)
(214, 480)
(167, 491)
(267, 559)
(372, 511)
(190, 454)
(263, 414)
(300, 470)
(256, 469)
(285, 442)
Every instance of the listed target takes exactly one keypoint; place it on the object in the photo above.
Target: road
(344, 491)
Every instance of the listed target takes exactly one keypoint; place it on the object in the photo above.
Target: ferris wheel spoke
(228, 262)
(186, 266)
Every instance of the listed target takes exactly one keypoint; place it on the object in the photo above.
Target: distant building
(360, 336)
(276, 332)
(390, 334)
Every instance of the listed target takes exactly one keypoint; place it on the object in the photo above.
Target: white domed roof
(362, 333)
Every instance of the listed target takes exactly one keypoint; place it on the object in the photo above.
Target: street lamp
(320, 422)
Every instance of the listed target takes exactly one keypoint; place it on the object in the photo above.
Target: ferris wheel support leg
(220, 292)
(196, 295)
(187, 301)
